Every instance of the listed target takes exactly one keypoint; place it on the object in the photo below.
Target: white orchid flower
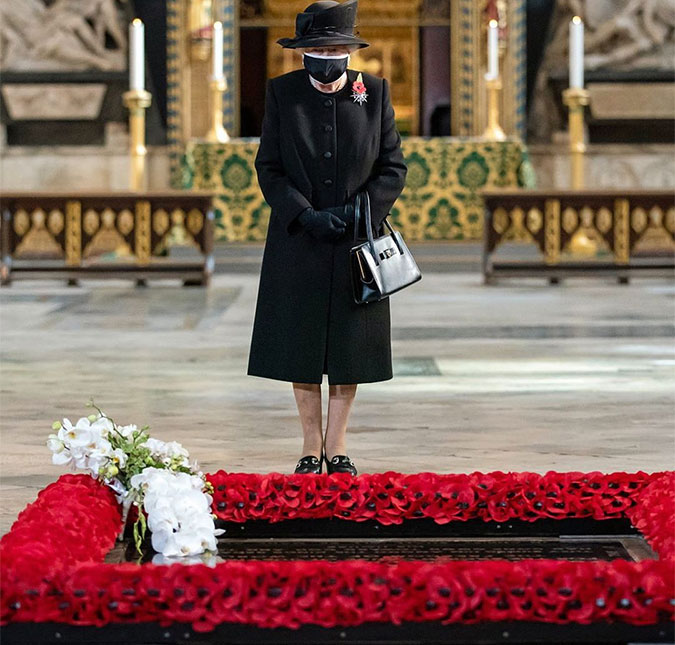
(174, 449)
(76, 435)
(128, 430)
(55, 444)
(104, 425)
(118, 457)
(156, 446)
(62, 458)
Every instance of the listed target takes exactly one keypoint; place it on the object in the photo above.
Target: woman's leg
(308, 400)
(340, 399)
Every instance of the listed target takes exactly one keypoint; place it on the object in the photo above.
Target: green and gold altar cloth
(441, 199)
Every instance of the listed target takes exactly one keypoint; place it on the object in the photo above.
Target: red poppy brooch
(359, 93)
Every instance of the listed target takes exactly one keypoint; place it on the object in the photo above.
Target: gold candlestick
(576, 98)
(494, 131)
(137, 101)
(217, 132)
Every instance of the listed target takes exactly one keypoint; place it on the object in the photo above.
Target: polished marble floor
(518, 376)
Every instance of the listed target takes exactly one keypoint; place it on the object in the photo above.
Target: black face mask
(325, 70)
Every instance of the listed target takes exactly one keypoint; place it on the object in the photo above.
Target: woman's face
(333, 50)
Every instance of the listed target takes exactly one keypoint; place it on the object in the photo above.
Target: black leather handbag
(380, 266)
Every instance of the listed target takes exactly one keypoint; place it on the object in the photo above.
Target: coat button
(328, 128)
(328, 182)
(328, 102)
(327, 155)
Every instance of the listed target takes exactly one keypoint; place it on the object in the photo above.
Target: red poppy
(52, 566)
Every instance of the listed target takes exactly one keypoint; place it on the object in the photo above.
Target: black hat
(325, 23)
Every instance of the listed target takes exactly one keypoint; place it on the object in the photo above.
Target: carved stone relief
(63, 35)
(26, 101)
(620, 35)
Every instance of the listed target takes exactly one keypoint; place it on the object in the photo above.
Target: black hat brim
(322, 41)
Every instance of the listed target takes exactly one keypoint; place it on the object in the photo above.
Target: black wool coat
(318, 149)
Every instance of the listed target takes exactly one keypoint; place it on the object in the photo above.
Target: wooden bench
(626, 224)
(106, 235)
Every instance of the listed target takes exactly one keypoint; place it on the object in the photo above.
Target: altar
(441, 199)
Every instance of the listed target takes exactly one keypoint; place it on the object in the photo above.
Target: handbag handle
(369, 227)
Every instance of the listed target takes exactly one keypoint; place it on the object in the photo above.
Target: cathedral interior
(539, 204)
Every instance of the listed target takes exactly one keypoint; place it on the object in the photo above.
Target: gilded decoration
(79, 230)
(73, 244)
(535, 219)
(160, 222)
(90, 221)
(604, 220)
(468, 59)
(441, 198)
(639, 220)
(21, 222)
(105, 237)
(669, 222)
(621, 232)
(392, 28)
(552, 231)
(55, 221)
(142, 231)
(125, 222)
(622, 226)
(569, 220)
(36, 239)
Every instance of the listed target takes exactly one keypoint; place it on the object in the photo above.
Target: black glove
(345, 213)
(322, 224)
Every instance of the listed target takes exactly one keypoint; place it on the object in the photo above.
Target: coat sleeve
(278, 189)
(388, 177)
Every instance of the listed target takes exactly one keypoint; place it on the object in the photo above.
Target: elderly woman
(328, 132)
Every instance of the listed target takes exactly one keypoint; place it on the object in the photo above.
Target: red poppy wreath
(53, 569)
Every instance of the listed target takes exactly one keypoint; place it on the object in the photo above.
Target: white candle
(493, 50)
(136, 55)
(576, 53)
(217, 51)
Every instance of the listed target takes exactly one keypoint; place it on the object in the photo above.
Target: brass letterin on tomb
(73, 233)
(552, 231)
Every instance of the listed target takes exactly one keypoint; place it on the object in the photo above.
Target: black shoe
(340, 464)
(309, 464)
